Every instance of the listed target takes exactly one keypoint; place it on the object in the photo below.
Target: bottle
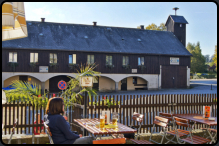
(105, 118)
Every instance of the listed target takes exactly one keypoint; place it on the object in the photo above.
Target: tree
(197, 60)
(162, 27)
(207, 58)
(215, 56)
(153, 26)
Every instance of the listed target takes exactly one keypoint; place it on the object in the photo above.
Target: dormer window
(180, 25)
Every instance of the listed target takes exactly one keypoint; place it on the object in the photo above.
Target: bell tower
(177, 25)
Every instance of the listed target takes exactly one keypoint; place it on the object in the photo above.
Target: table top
(194, 117)
(97, 131)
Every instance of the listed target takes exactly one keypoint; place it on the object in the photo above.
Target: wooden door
(174, 77)
(124, 84)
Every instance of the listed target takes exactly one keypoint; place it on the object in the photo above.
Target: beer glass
(115, 118)
(102, 121)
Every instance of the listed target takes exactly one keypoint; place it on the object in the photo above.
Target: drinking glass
(115, 118)
(102, 121)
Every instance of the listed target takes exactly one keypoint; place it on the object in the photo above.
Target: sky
(201, 16)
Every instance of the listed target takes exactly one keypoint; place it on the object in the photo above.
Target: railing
(125, 105)
(151, 105)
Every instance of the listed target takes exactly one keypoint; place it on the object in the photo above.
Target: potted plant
(72, 66)
(76, 97)
(12, 65)
(25, 91)
(142, 67)
(54, 65)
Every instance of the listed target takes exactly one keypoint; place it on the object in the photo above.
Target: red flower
(104, 98)
(53, 95)
(39, 95)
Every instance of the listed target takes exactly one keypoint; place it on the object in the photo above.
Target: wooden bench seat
(110, 141)
(180, 131)
(196, 140)
(211, 130)
(141, 141)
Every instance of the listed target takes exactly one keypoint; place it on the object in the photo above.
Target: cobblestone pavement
(197, 86)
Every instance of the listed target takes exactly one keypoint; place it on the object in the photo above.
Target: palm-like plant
(25, 91)
(84, 70)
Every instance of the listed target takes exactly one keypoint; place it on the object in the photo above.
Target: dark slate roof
(61, 36)
(178, 19)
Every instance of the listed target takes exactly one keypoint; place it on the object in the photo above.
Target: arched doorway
(53, 82)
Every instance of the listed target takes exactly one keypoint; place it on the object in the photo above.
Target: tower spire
(175, 9)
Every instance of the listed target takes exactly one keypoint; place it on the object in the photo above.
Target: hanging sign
(62, 85)
(86, 81)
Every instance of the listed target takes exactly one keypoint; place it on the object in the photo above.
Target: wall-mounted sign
(86, 81)
(43, 68)
(29, 79)
(134, 70)
(174, 61)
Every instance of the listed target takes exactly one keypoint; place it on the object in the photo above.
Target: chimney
(142, 27)
(42, 19)
(95, 23)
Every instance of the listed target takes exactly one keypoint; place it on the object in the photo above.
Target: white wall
(152, 79)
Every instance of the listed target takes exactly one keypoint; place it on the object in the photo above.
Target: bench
(141, 141)
(110, 141)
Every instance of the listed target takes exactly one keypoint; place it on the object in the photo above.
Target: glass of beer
(115, 118)
(102, 121)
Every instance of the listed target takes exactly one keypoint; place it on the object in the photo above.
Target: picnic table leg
(212, 138)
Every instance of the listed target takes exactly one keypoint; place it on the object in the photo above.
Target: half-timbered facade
(128, 58)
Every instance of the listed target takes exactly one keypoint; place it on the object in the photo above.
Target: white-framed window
(12, 56)
(72, 59)
(125, 60)
(140, 60)
(109, 60)
(180, 25)
(52, 58)
(90, 59)
(33, 57)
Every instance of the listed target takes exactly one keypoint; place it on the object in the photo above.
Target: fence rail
(125, 105)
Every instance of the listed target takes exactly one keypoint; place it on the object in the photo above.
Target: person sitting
(38, 132)
(59, 127)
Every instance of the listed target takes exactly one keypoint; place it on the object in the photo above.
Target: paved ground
(197, 86)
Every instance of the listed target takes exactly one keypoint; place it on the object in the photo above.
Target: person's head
(55, 106)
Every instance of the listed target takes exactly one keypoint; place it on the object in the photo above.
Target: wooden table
(97, 131)
(198, 118)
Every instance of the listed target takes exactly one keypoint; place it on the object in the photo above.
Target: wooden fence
(125, 105)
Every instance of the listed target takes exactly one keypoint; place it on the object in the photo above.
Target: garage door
(174, 77)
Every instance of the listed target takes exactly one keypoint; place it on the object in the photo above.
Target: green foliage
(84, 70)
(25, 92)
(197, 60)
(215, 56)
(106, 102)
(153, 26)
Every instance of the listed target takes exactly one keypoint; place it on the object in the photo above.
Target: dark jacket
(60, 129)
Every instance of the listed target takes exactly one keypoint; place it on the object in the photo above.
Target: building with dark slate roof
(128, 58)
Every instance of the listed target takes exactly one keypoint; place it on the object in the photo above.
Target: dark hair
(55, 105)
